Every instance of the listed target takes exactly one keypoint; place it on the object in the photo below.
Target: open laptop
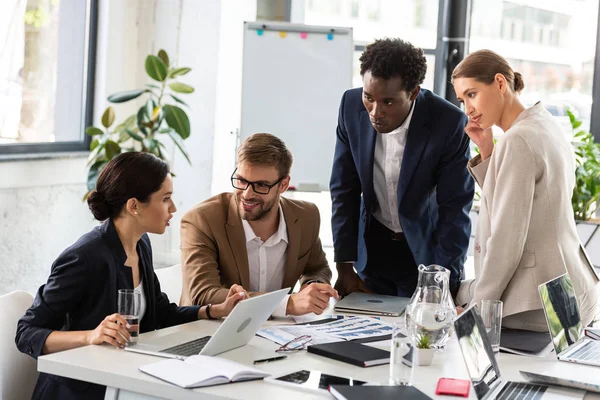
(374, 304)
(484, 371)
(246, 318)
(564, 323)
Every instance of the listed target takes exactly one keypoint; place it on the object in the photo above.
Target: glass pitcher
(431, 311)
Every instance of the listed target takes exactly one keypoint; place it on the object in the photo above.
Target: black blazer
(81, 291)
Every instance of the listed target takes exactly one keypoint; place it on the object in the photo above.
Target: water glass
(491, 314)
(401, 356)
(128, 306)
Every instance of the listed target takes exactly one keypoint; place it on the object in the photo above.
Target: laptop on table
(373, 304)
(246, 318)
(484, 370)
(564, 323)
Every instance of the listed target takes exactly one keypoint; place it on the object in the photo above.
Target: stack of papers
(348, 328)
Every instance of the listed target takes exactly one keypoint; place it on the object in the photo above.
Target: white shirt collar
(404, 126)
(278, 236)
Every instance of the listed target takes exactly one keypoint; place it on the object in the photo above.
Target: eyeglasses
(257, 187)
(296, 344)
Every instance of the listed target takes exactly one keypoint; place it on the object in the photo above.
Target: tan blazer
(214, 255)
(526, 233)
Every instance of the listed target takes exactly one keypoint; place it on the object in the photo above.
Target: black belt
(383, 231)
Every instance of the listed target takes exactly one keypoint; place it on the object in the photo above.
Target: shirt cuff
(281, 308)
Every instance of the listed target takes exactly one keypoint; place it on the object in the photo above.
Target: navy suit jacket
(81, 291)
(435, 190)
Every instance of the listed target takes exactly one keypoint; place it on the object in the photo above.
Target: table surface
(108, 366)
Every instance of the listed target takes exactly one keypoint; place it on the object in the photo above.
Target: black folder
(352, 353)
(376, 392)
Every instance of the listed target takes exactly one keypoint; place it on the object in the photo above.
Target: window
(46, 74)
(542, 42)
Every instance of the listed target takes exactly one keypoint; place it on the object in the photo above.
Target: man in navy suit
(400, 188)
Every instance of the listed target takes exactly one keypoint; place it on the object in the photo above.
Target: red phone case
(453, 387)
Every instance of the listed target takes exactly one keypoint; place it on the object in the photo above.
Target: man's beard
(259, 212)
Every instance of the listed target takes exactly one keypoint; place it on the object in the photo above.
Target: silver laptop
(374, 304)
(484, 371)
(564, 323)
(247, 317)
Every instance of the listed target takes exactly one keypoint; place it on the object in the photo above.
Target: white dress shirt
(266, 261)
(389, 151)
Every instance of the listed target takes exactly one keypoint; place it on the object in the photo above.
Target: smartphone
(312, 381)
(453, 387)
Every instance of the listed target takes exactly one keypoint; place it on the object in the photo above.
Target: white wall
(41, 211)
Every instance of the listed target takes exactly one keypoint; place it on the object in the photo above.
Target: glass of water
(401, 356)
(491, 314)
(128, 305)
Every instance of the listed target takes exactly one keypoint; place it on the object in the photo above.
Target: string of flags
(303, 35)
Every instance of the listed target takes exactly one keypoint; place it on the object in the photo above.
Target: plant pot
(423, 357)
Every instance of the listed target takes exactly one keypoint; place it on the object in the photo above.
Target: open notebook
(198, 371)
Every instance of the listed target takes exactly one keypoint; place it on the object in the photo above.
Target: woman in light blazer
(526, 232)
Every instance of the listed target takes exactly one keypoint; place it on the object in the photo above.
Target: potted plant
(423, 352)
(587, 173)
(155, 120)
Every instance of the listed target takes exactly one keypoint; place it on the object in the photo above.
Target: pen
(266, 360)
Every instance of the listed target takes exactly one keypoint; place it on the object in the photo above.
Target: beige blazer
(214, 255)
(526, 233)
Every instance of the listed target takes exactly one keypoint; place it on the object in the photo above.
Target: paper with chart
(348, 328)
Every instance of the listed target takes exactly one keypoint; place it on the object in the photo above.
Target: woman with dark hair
(526, 232)
(77, 305)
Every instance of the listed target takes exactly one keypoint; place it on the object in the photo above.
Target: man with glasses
(255, 238)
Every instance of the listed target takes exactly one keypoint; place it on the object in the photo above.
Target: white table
(118, 369)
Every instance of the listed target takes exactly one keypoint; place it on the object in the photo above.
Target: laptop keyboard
(590, 351)
(521, 391)
(187, 349)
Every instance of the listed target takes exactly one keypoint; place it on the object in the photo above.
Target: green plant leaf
(152, 86)
(180, 145)
(93, 173)
(108, 117)
(181, 87)
(93, 131)
(164, 57)
(111, 149)
(140, 120)
(177, 99)
(94, 144)
(155, 68)
(576, 124)
(178, 120)
(134, 135)
(122, 97)
(179, 72)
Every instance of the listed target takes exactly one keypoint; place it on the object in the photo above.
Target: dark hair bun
(98, 205)
(519, 83)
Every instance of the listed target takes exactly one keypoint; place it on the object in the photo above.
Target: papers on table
(348, 328)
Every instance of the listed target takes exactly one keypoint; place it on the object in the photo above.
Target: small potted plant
(423, 352)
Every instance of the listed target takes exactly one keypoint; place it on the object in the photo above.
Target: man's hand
(348, 280)
(311, 298)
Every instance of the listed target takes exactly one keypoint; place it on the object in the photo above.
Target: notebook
(198, 371)
(371, 303)
(351, 353)
(526, 343)
(376, 392)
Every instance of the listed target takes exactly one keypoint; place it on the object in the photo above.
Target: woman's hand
(483, 138)
(236, 294)
(112, 330)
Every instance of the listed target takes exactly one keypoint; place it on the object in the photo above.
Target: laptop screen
(562, 313)
(477, 352)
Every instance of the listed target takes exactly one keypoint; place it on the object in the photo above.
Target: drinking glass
(128, 305)
(401, 356)
(491, 314)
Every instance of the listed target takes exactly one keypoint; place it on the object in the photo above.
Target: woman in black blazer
(77, 306)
